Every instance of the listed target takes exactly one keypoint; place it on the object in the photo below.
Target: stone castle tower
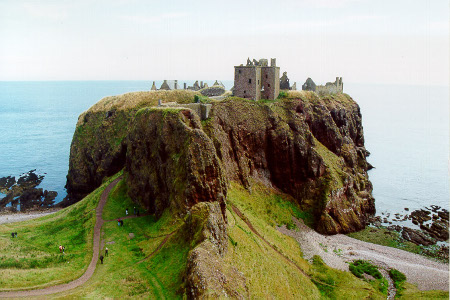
(257, 80)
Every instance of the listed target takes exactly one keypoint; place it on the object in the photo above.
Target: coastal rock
(23, 192)
(308, 146)
(417, 237)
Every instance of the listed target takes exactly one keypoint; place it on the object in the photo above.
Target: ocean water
(406, 131)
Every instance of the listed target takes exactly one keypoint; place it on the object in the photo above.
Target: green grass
(411, 292)
(266, 209)
(33, 259)
(121, 275)
(399, 280)
(385, 237)
(118, 202)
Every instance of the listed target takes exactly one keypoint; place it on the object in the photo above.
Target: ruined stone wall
(331, 87)
(247, 82)
(270, 77)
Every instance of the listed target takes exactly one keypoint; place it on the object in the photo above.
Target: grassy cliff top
(136, 100)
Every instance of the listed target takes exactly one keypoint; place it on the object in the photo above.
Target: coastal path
(95, 254)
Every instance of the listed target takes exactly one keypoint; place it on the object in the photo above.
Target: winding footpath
(91, 268)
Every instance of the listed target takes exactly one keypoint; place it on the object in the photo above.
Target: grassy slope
(122, 275)
(32, 260)
(268, 273)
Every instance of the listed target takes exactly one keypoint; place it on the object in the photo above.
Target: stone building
(284, 82)
(257, 80)
(328, 88)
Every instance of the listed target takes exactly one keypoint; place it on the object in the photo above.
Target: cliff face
(311, 148)
(307, 146)
(171, 162)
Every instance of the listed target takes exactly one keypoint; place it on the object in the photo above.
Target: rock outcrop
(307, 146)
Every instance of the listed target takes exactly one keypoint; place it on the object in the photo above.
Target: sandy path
(338, 249)
(19, 217)
(91, 268)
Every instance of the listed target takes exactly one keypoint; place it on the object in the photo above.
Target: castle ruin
(328, 88)
(257, 80)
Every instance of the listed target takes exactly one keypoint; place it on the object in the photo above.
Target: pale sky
(364, 41)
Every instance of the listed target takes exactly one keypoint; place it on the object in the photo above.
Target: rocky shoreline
(432, 228)
(24, 195)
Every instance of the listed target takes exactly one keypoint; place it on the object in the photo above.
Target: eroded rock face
(312, 149)
(171, 162)
(97, 151)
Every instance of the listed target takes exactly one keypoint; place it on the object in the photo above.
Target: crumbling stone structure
(284, 82)
(328, 88)
(257, 80)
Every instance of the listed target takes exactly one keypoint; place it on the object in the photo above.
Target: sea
(406, 130)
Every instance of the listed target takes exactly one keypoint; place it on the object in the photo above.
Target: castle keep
(257, 80)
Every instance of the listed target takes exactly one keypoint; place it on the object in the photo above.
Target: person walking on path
(106, 251)
(101, 259)
(118, 221)
(135, 210)
(64, 249)
(126, 211)
(60, 249)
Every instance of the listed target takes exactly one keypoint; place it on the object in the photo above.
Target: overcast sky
(364, 41)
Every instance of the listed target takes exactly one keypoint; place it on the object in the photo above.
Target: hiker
(106, 251)
(15, 234)
(118, 221)
(121, 222)
(12, 234)
(137, 213)
(126, 211)
(135, 210)
(101, 259)
(64, 249)
(60, 248)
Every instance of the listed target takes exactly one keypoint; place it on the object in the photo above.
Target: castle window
(244, 92)
(258, 81)
(266, 75)
(239, 71)
(250, 80)
(268, 85)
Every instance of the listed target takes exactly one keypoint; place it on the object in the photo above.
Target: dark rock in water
(435, 208)
(443, 214)
(420, 216)
(417, 237)
(406, 209)
(397, 228)
(25, 193)
(438, 230)
(369, 166)
(7, 182)
(30, 179)
(31, 198)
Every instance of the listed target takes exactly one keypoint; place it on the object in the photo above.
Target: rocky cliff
(308, 146)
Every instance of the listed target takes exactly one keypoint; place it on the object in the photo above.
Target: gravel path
(91, 268)
(19, 217)
(338, 249)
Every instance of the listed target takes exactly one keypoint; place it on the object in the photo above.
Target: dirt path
(339, 249)
(91, 268)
